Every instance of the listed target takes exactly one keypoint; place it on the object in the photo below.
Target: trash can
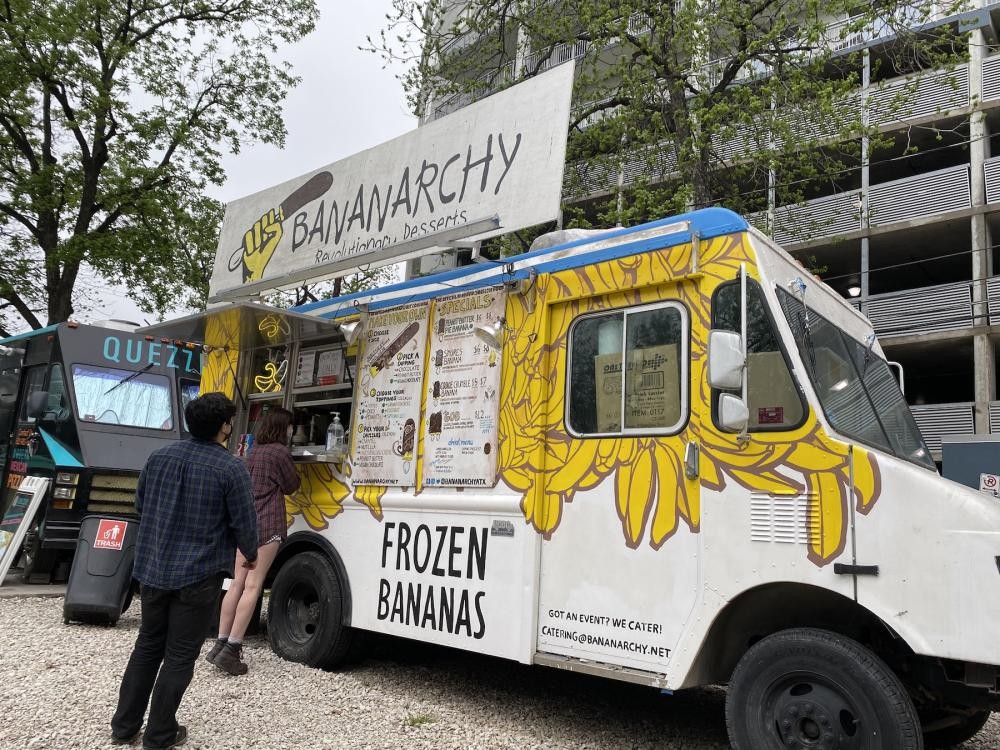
(100, 582)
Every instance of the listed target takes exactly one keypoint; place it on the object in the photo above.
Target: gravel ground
(59, 686)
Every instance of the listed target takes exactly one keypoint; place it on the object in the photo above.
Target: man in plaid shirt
(195, 508)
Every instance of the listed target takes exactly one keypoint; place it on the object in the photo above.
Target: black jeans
(172, 631)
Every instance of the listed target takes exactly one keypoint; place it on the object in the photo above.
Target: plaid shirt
(195, 508)
(273, 475)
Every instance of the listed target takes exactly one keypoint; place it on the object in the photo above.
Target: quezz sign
(501, 156)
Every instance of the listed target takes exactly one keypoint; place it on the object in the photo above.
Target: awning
(242, 325)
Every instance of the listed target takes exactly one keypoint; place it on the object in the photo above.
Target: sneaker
(116, 740)
(217, 646)
(179, 739)
(230, 659)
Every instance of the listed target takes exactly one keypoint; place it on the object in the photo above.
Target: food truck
(84, 406)
(667, 455)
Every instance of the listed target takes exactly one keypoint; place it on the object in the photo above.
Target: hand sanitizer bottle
(335, 438)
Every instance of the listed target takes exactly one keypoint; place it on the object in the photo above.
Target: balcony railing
(560, 54)
(920, 195)
(992, 170)
(927, 94)
(909, 198)
(991, 78)
(820, 217)
(912, 14)
(939, 420)
(993, 299)
(945, 307)
(995, 417)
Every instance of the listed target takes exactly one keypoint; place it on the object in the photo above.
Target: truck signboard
(502, 156)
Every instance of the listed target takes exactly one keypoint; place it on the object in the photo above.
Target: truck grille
(112, 493)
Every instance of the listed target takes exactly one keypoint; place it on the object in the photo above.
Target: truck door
(10, 380)
(774, 497)
(619, 564)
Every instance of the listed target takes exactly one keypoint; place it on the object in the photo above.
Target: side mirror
(734, 416)
(38, 402)
(725, 360)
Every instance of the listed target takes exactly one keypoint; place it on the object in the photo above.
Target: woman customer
(273, 475)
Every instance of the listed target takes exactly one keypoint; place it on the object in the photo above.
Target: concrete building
(908, 237)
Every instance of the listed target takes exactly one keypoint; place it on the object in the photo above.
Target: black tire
(807, 688)
(966, 728)
(35, 561)
(305, 613)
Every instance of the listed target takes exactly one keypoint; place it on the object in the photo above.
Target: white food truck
(667, 455)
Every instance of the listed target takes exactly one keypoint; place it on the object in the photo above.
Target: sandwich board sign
(15, 522)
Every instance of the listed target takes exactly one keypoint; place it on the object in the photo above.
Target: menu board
(389, 379)
(319, 367)
(460, 431)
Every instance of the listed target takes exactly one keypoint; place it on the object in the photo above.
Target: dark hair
(206, 415)
(273, 428)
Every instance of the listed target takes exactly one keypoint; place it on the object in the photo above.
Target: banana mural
(321, 496)
(540, 460)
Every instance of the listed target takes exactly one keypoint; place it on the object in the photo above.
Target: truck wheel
(35, 562)
(305, 613)
(966, 728)
(807, 688)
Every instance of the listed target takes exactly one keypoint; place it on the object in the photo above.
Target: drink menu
(389, 378)
(463, 382)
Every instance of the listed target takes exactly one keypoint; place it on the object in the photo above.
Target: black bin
(100, 582)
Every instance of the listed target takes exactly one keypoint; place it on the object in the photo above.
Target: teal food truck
(84, 406)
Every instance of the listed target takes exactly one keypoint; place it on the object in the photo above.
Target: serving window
(321, 385)
(628, 371)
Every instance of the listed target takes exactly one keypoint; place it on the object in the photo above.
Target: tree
(360, 281)
(678, 104)
(114, 121)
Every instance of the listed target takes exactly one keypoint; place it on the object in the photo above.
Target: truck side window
(57, 389)
(776, 402)
(646, 396)
(34, 380)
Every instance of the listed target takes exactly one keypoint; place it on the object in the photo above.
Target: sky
(345, 103)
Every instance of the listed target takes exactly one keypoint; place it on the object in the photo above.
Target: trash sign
(110, 534)
(990, 484)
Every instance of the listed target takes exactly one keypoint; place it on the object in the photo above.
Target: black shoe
(179, 739)
(214, 651)
(230, 659)
(116, 740)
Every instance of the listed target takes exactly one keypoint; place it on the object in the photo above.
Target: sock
(235, 643)
(222, 639)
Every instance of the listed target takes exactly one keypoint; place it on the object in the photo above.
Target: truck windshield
(856, 388)
(123, 397)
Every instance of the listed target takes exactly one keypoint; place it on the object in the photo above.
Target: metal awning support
(399, 252)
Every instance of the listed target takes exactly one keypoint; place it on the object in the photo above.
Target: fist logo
(263, 238)
(259, 244)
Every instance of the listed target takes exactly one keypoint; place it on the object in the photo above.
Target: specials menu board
(460, 430)
(390, 376)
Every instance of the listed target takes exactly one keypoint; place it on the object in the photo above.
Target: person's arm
(242, 517)
(140, 491)
(288, 478)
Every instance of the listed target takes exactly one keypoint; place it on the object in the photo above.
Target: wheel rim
(809, 712)
(303, 612)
